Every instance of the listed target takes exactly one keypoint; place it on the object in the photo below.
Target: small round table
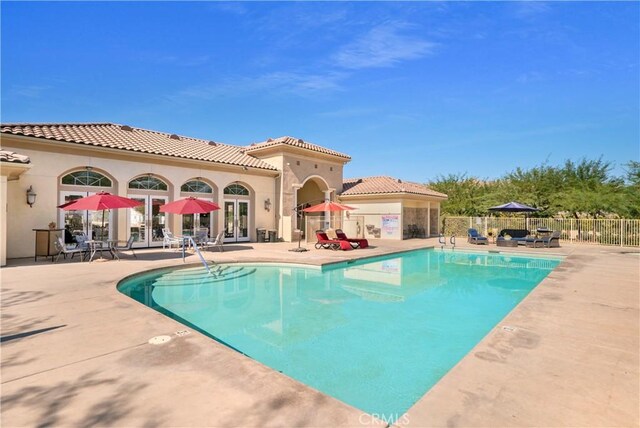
(506, 243)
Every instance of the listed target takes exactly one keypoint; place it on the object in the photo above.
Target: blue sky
(412, 90)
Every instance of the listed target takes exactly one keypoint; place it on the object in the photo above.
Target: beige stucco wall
(372, 208)
(3, 220)
(371, 212)
(50, 160)
(297, 169)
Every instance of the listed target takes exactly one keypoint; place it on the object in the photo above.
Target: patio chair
(64, 250)
(126, 247)
(355, 242)
(168, 238)
(552, 240)
(332, 244)
(201, 238)
(217, 242)
(474, 237)
(81, 241)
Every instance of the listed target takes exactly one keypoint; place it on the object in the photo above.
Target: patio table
(100, 246)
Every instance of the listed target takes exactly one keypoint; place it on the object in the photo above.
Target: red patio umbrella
(328, 206)
(100, 202)
(189, 205)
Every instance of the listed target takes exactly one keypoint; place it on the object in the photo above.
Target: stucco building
(262, 185)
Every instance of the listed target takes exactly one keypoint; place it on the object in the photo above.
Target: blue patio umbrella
(513, 207)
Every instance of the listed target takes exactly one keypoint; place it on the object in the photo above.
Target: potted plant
(52, 225)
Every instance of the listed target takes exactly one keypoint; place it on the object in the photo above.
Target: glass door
(85, 222)
(236, 221)
(146, 221)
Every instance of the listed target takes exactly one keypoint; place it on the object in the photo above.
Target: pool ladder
(442, 240)
(202, 259)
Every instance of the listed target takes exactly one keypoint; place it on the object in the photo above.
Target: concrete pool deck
(75, 352)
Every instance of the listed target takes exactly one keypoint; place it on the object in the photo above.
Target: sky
(414, 90)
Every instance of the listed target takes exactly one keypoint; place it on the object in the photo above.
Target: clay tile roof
(13, 157)
(293, 142)
(385, 185)
(124, 137)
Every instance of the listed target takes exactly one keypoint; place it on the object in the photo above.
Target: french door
(146, 221)
(85, 222)
(236, 220)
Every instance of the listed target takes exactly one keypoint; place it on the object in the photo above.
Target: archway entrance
(314, 191)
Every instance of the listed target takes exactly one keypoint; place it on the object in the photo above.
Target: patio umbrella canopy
(328, 206)
(189, 205)
(100, 202)
(513, 207)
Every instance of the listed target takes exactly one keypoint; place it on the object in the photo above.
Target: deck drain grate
(181, 333)
(159, 340)
(508, 328)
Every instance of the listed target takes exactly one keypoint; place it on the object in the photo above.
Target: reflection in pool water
(376, 334)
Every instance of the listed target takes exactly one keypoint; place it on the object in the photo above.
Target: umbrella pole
(102, 232)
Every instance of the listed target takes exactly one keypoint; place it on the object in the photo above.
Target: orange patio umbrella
(328, 206)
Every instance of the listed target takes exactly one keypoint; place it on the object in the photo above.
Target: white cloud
(348, 112)
(29, 91)
(530, 77)
(383, 46)
(528, 9)
(235, 7)
(276, 83)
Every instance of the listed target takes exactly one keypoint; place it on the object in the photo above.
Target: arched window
(86, 178)
(236, 189)
(196, 186)
(147, 183)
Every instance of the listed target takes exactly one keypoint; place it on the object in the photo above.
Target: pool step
(201, 277)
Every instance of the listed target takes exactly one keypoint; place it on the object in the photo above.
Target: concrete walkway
(75, 352)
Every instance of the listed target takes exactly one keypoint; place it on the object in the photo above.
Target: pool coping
(449, 402)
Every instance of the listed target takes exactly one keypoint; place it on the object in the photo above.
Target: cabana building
(263, 185)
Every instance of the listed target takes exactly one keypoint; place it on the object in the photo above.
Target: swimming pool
(376, 333)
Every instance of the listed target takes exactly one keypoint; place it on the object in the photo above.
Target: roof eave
(407, 195)
(283, 147)
(138, 153)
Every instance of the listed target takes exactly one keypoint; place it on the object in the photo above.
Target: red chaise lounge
(333, 244)
(355, 242)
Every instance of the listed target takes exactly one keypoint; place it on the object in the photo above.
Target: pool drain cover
(159, 340)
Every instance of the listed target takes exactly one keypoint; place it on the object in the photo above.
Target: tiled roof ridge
(118, 125)
(294, 142)
(385, 184)
(147, 141)
(373, 176)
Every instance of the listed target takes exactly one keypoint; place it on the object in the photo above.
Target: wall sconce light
(31, 196)
(267, 204)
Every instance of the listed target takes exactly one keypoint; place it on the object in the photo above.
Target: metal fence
(621, 232)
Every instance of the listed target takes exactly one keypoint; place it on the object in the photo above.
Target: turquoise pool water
(376, 334)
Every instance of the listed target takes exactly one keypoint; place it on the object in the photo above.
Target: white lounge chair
(169, 239)
(218, 241)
